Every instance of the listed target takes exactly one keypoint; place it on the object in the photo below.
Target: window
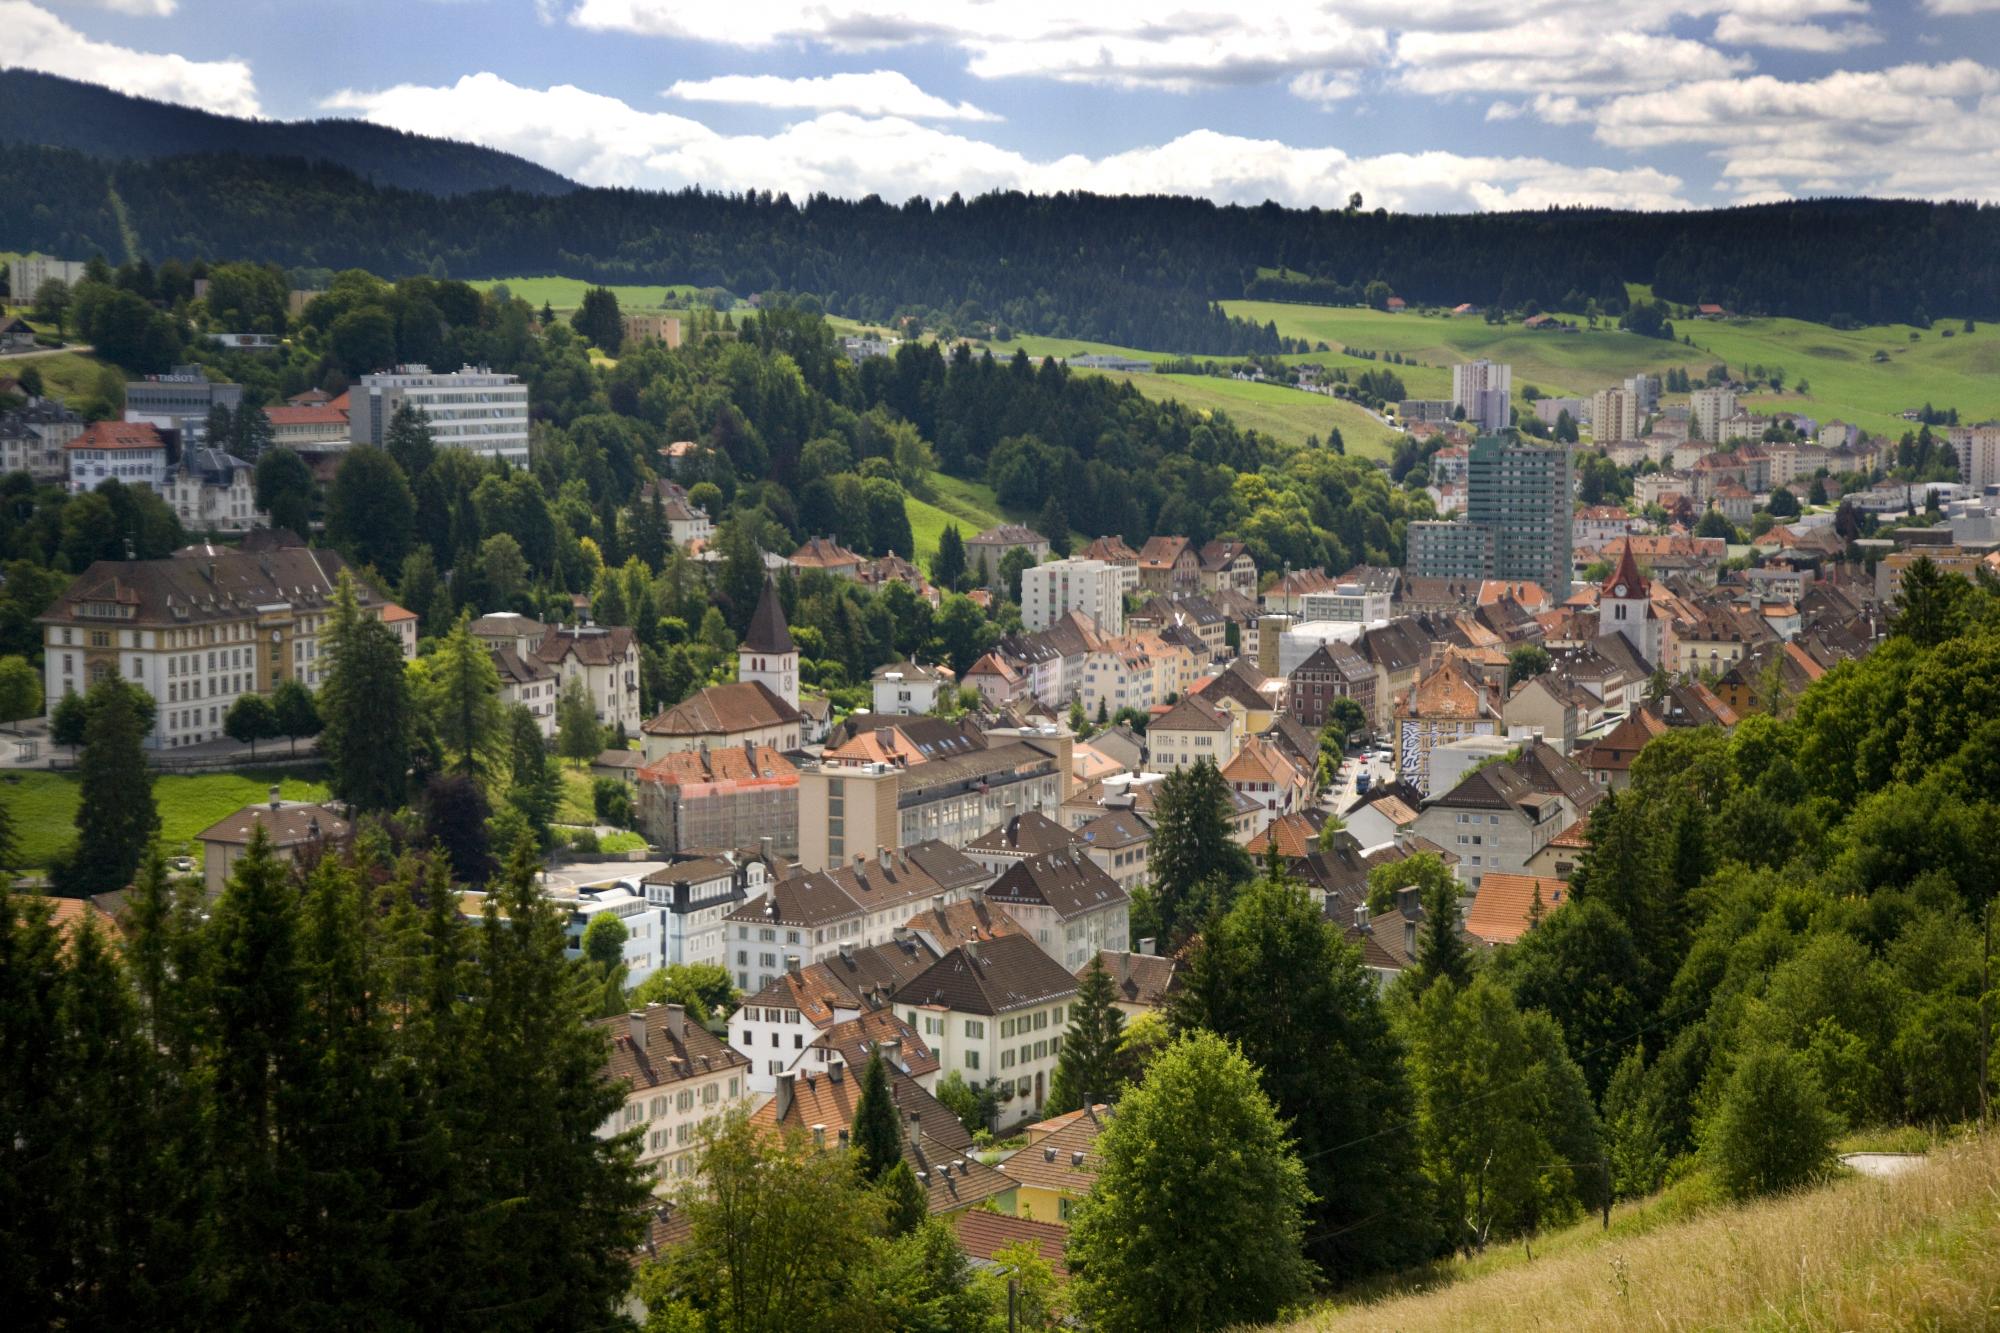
(975, 1028)
(972, 1059)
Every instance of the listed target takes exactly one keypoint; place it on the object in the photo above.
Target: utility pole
(1985, 1009)
(1013, 1293)
(1604, 1166)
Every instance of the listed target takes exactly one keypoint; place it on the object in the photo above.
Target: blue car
(1361, 785)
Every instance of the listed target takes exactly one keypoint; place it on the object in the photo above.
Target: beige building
(1193, 729)
(199, 629)
(1066, 903)
(1708, 409)
(985, 550)
(606, 659)
(652, 326)
(295, 829)
(1615, 416)
(994, 1010)
(1093, 587)
(677, 1077)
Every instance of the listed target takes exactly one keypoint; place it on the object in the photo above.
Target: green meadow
(44, 804)
(565, 294)
(1285, 414)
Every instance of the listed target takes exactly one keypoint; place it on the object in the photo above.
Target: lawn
(1843, 379)
(70, 376)
(44, 805)
(567, 293)
(1284, 414)
(969, 504)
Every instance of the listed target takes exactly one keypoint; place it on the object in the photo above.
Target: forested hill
(1138, 271)
(63, 113)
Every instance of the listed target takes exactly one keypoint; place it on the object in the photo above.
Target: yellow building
(1059, 1165)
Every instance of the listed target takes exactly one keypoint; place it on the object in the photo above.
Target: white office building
(1346, 602)
(1708, 409)
(471, 408)
(1051, 591)
(1483, 388)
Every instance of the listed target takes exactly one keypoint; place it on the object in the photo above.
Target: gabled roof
(1030, 834)
(290, 824)
(1295, 835)
(990, 977)
(1112, 550)
(824, 553)
(674, 1049)
(1138, 978)
(1193, 713)
(982, 1235)
(945, 928)
(1163, 552)
(768, 632)
(592, 645)
(1505, 907)
(856, 1039)
(1061, 1155)
(1066, 882)
(1114, 829)
(118, 435)
(721, 710)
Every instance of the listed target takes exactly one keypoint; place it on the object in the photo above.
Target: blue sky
(1438, 105)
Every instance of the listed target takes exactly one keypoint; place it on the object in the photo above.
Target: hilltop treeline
(1133, 270)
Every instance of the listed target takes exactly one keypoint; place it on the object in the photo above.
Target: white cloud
(37, 39)
(882, 92)
(140, 8)
(1735, 30)
(601, 140)
(1929, 130)
(1322, 87)
(1958, 8)
(1557, 54)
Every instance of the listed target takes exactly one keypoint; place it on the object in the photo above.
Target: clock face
(1619, 590)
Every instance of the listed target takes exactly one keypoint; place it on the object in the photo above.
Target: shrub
(1773, 1130)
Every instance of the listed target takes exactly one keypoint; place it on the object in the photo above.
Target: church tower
(767, 653)
(1625, 606)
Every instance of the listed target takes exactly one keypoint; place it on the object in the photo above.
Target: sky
(1418, 105)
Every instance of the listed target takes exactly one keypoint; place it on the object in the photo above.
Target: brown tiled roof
(1111, 550)
(1061, 1155)
(1502, 911)
(731, 763)
(967, 919)
(1006, 534)
(667, 1056)
(199, 584)
(118, 435)
(1067, 882)
(803, 898)
(1295, 835)
(982, 1235)
(1114, 829)
(1161, 552)
(592, 645)
(1031, 834)
(306, 415)
(849, 979)
(990, 977)
(825, 553)
(69, 915)
(1192, 713)
(1138, 978)
(722, 710)
(857, 1038)
(289, 825)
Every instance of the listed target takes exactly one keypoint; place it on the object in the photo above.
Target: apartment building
(1092, 587)
(995, 1011)
(606, 659)
(1615, 415)
(677, 1077)
(1708, 409)
(1066, 903)
(179, 399)
(1482, 388)
(32, 437)
(471, 408)
(130, 452)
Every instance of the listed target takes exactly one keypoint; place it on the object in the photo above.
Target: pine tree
(948, 564)
(115, 817)
(1091, 1067)
(366, 708)
(1196, 863)
(907, 1204)
(535, 789)
(1441, 951)
(578, 735)
(409, 441)
(462, 695)
(878, 1137)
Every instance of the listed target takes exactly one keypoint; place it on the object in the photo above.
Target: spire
(1626, 581)
(768, 632)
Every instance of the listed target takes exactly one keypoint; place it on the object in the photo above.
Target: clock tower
(767, 653)
(1625, 607)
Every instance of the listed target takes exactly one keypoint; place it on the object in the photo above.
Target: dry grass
(1918, 1251)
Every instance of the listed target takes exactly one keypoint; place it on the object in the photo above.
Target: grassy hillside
(1842, 377)
(1285, 414)
(44, 805)
(969, 504)
(566, 294)
(1917, 1251)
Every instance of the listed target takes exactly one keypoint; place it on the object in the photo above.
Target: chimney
(837, 1071)
(1149, 945)
(764, 848)
(786, 1081)
(915, 1124)
(275, 800)
(843, 1140)
(636, 1023)
(1361, 916)
(792, 964)
(819, 1138)
(937, 903)
(882, 857)
(677, 1022)
(971, 948)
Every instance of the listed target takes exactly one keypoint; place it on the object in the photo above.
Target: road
(83, 349)
(1883, 1164)
(1341, 794)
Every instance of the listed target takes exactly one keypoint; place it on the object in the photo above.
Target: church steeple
(767, 652)
(1625, 607)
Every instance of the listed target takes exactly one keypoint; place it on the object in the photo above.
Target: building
(1169, 567)
(32, 437)
(1448, 704)
(780, 1022)
(1066, 903)
(298, 831)
(1346, 602)
(829, 557)
(1517, 520)
(1121, 843)
(1193, 729)
(1509, 906)
(27, 273)
(909, 687)
(129, 452)
(1058, 1165)
(1482, 388)
(529, 682)
(311, 428)
(1228, 566)
(1021, 838)
(995, 1011)
(1978, 449)
(731, 796)
(1498, 817)
(15, 335)
(1334, 671)
(471, 408)
(606, 659)
(1708, 409)
(985, 550)
(873, 796)
(1615, 416)
(1625, 608)
(213, 491)
(1142, 982)
(677, 1077)
(1442, 549)
(693, 897)
(651, 326)
(198, 629)
(1092, 587)
(179, 399)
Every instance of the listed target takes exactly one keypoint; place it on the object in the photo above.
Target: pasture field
(566, 294)
(1285, 414)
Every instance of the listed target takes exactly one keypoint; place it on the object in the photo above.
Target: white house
(994, 1011)
(1066, 903)
(909, 687)
(677, 1077)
